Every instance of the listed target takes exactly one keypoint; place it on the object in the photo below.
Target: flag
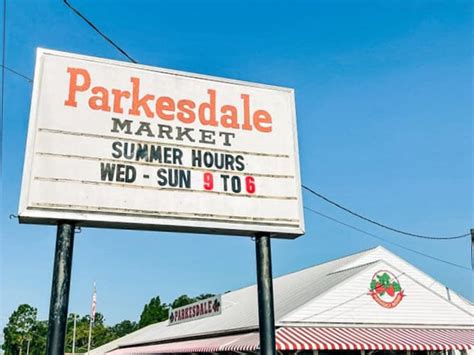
(93, 306)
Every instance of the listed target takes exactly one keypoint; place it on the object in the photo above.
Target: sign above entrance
(206, 308)
(114, 144)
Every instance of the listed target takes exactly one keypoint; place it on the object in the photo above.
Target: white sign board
(211, 306)
(113, 144)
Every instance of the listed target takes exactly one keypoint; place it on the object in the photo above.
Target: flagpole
(91, 320)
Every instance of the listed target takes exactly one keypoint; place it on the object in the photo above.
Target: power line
(310, 190)
(102, 34)
(116, 46)
(305, 187)
(383, 239)
(315, 193)
(16, 73)
(378, 223)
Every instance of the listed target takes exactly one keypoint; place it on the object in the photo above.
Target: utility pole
(28, 347)
(74, 334)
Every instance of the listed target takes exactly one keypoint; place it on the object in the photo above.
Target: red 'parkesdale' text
(185, 110)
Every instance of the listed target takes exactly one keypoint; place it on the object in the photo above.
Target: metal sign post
(266, 312)
(60, 289)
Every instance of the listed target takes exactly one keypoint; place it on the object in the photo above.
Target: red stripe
(452, 336)
(304, 342)
(313, 338)
(345, 345)
(373, 339)
(408, 340)
(328, 339)
(418, 339)
(349, 335)
(281, 339)
(318, 335)
(279, 344)
(395, 341)
(293, 335)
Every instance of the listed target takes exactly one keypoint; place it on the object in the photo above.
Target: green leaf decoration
(386, 280)
(373, 284)
(396, 287)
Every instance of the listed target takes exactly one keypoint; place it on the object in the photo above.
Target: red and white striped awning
(242, 342)
(312, 338)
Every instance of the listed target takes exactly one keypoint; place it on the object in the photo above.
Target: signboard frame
(84, 219)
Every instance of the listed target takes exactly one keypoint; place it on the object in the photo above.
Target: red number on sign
(250, 184)
(208, 181)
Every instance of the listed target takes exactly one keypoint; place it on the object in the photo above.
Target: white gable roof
(351, 304)
(295, 291)
(239, 308)
(380, 253)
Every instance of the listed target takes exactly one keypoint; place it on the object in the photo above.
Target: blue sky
(384, 104)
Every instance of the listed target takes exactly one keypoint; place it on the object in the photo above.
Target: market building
(372, 301)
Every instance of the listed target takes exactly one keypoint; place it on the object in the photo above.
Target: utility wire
(16, 73)
(102, 34)
(305, 187)
(116, 46)
(378, 223)
(311, 191)
(383, 239)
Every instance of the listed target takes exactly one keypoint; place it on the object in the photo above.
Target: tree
(153, 312)
(203, 296)
(19, 329)
(101, 334)
(123, 328)
(181, 301)
(39, 337)
(184, 300)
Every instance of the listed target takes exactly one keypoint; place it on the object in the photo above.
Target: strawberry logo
(385, 289)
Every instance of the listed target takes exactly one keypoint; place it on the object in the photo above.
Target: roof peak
(340, 258)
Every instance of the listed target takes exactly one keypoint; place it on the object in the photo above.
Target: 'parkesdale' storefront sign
(209, 307)
(113, 144)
